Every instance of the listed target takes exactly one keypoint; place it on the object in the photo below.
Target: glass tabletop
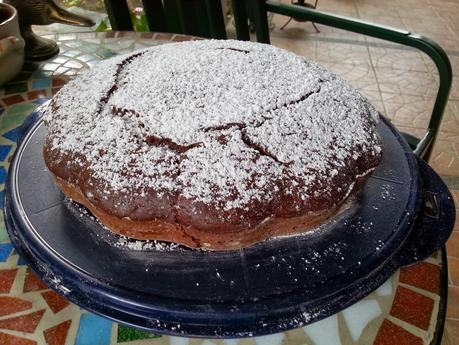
(407, 309)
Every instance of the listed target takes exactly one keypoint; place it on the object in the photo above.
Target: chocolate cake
(210, 144)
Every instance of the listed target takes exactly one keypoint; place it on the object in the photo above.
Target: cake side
(218, 136)
(189, 236)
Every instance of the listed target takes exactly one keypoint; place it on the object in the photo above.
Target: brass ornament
(43, 12)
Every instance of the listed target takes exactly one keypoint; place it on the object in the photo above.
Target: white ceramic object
(178, 341)
(11, 44)
(324, 332)
(385, 289)
(359, 315)
(273, 339)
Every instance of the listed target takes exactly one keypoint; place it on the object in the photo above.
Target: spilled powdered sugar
(211, 120)
(139, 245)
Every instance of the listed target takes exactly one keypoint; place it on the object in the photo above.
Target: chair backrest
(423, 146)
(204, 18)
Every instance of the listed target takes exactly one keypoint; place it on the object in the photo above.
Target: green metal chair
(205, 18)
(423, 146)
(202, 18)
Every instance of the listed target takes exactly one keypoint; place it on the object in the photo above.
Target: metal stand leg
(288, 21)
(315, 27)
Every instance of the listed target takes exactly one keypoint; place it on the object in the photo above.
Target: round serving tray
(403, 214)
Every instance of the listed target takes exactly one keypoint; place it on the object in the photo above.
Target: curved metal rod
(431, 48)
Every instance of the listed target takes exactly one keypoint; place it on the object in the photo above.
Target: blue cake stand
(403, 215)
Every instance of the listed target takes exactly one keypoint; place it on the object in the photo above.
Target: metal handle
(431, 48)
(435, 220)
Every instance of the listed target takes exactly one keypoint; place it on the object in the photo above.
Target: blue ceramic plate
(403, 215)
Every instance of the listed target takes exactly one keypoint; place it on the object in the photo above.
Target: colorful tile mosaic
(126, 334)
(425, 276)
(41, 83)
(7, 277)
(24, 323)
(93, 330)
(390, 334)
(32, 282)
(11, 305)
(58, 334)
(9, 339)
(55, 302)
(5, 250)
(412, 307)
(402, 311)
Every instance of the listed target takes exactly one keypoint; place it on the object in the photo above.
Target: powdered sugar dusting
(220, 122)
(139, 245)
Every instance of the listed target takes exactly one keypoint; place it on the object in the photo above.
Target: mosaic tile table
(407, 310)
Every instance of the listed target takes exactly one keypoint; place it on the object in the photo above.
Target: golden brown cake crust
(195, 238)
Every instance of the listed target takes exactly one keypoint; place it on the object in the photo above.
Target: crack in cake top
(219, 122)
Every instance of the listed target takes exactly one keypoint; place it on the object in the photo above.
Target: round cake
(210, 144)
